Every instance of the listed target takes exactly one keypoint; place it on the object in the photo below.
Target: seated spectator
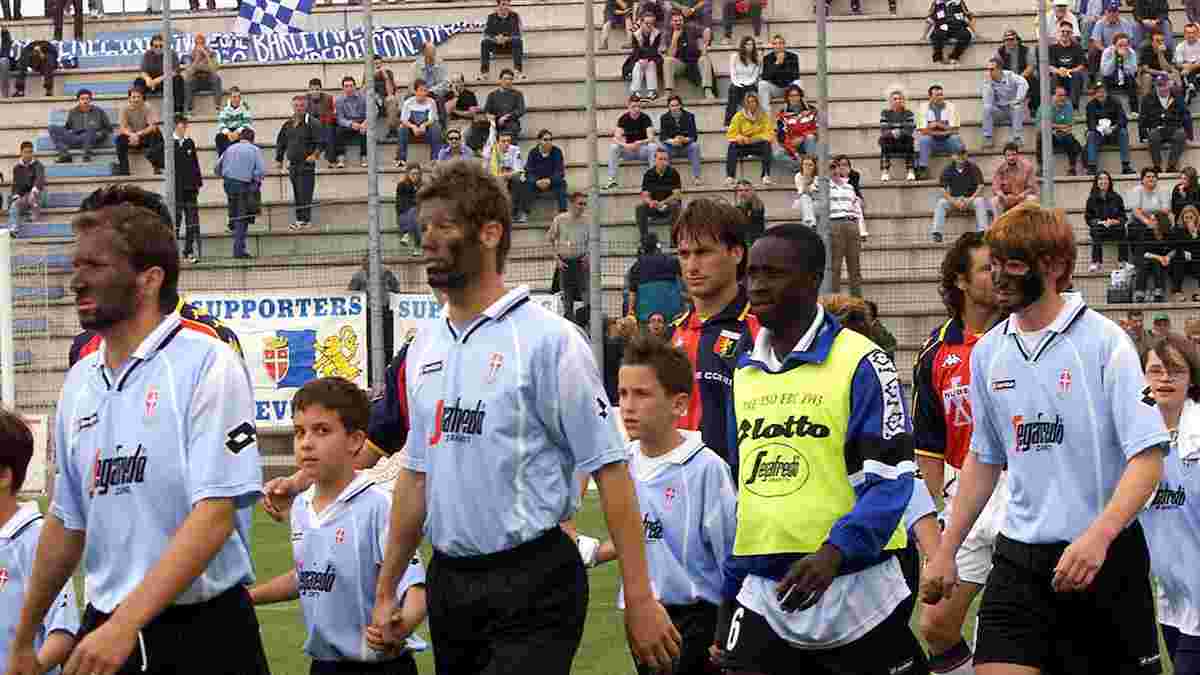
(633, 138)
(696, 13)
(351, 125)
(687, 50)
(1105, 216)
(506, 106)
(1143, 201)
(1013, 181)
(479, 133)
(430, 68)
(234, 117)
(654, 7)
(1068, 63)
(847, 228)
(1089, 13)
(937, 130)
(1185, 193)
(962, 190)
(950, 20)
(617, 14)
(1022, 60)
(780, 70)
(1187, 59)
(1154, 61)
(410, 183)
(461, 103)
(1059, 12)
(1118, 68)
(419, 122)
(323, 108)
(1157, 248)
(153, 73)
(502, 159)
(742, 9)
(569, 235)
(644, 63)
(1105, 31)
(1186, 261)
(188, 181)
(680, 138)
(1106, 123)
(300, 140)
(1062, 121)
(139, 128)
(897, 125)
(795, 130)
(1161, 118)
(501, 33)
(1003, 100)
(662, 194)
(202, 73)
(86, 127)
(744, 72)
(242, 169)
(749, 135)
(806, 190)
(546, 170)
(454, 147)
(653, 282)
(41, 58)
(387, 95)
(28, 189)
(1152, 15)
(752, 206)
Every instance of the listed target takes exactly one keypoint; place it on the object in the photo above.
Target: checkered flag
(256, 17)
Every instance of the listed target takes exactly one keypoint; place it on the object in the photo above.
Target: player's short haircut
(957, 262)
(670, 363)
(26, 144)
(809, 249)
(1169, 347)
(338, 395)
(16, 446)
(715, 218)
(850, 311)
(475, 199)
(1030, 233)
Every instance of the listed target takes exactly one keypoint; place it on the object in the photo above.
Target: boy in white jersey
(685, 490)
(339, 530)
(20, 526)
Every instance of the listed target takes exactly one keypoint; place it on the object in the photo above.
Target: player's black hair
(956, 263)
(339, 395)
(810, 250)
(16, 446)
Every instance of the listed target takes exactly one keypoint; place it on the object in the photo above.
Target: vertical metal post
(8, 369)
(168, 117)
(823, 173)
(1045, 115)
(595, 248)
(379, 357)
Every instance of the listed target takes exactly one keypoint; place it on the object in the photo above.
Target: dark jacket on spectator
(323, 107)
(1148, 243)
(780, 75)
(498, 25)
(188, 177)
(26, 59)
(538, 165)
(1104, 206)
(25, 178)
(756, 216)
(94, 118)
(669, 128)
(502, 102)
(406, 196)
(1181, 198)
(1153, 116)
(298, 141)
(1111, 109)
(5, 44)
(1150, 9)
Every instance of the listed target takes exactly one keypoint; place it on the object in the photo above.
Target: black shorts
(887, 649)
(1109, 628)
(405, 665)
(519, 611)
(697, 625)
(216, 637)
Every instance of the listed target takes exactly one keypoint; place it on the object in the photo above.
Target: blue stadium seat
(54, 261)
(59, 116)
(112, 88)
(26, 326)
(30, 293)
(45, 230)
(102, 169)
(64, 200)
(22, 357)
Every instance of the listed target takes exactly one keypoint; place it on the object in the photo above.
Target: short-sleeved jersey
(337, 554)
(18, 545)
(1065, 415)
(140, 447)
(942, 419)
(193, 317)
(503, 412)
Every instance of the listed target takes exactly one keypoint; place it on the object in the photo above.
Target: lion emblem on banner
(337, 355)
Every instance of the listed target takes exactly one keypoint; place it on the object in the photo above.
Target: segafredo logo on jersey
(118, 473)
(1169, 498)
(311, 582)
(457, 423)
(1037, 434)
(778, 470)
(652, 528)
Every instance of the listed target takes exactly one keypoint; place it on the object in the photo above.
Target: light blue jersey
(503, 412)
(18, 544)
(139, 448)
(921, 504)
(689, 516)
(1065, 413)
(337, 554)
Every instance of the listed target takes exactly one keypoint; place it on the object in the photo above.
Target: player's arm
(920, 520)
(412, 611)
(58, 553)
(929, 422)
(404, 536)
(282, 588)
(61, 627)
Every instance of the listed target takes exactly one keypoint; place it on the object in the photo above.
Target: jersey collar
(737, 310)
(361, 483)
(813, 346)
(1066, 316)
(153, 343)
(26, 514)
(494, 312)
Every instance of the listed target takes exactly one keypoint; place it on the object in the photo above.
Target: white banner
(410, 310)
(36, 474)
(291, 338)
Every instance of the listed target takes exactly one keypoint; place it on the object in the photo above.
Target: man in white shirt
(1187, 59)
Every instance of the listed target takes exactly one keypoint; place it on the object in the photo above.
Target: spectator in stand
(461, 103)
(139, 128)
(242, 169)
(502, 159)
(41, 58)
(202, 73)
(1143, 201)
(479, 133)
(795, 130)
(1088, 12)
(1105, 31)
(410, 183)
(656, 325)
(506, 106)
(749, 135)
(662, 193)
(151, 77)
(419, 122)
(86, 127)
(653, 283)
(950, 20)
(1013, 181)
(852, 176)
(351, 124)
(1022, 60)
(744, 72)
(360, 283)
(300, 140)
(1062, 120)
(1105, 216)
(546, 170)
(742, 9)
(1106, 122)
(323, 108)
(751, 205)
(437, 78)
(937, 130)
(680, 137)
(1153, 15)
(1118, 67)
(1003, 101)
(454, 147)
(7, 62)
(806, 190)
(1059, 12)
(1161, 118)
(1157, 248)
(188, 181)
(633, 138)
(13, 13)
(897, 124)
(234, 117)
(501, 33)
(1185, 193)
(962, 190)
(57, 9)
(616, 15)
(569, 235)
(1186, 262)
(28, 189)
(848, 228)
(1068, 63)
(878, 332)
(645, 62)
(695, 13)
(387, 95)
(1155, 60)
(1187, 59)
(687, 51)
(780, 70)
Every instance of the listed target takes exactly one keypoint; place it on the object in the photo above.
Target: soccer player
(158, 472)
(506, 404)
(825, 478)
(709, 238)
(339, 529)
(1056, 391)
(942, 432)
(20, 526)
(686, 494)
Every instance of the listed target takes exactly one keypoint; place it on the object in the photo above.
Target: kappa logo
(951, 360)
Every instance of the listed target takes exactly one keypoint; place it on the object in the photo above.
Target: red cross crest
(3, 577)
(494, 364)
(340, 535)
(151, 401)
(669, 495)
(1064, 382)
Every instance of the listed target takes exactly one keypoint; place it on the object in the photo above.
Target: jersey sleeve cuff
(931, 454)
(986, 458)
(596, 463)
(69, 521)
(1155, 440)
(413, 464)
(242, 494)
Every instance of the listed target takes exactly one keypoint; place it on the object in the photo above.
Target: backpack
(1120, 285)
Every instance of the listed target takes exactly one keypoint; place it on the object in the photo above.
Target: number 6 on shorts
(735, 629)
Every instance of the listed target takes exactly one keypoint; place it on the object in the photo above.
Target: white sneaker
(729, 181)
(766, 180)
(884, 176)
(1094, 267)
(911, 175)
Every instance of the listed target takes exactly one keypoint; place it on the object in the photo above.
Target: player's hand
(23, 661)
(104, 651)
(939, 578)
(568, 525)
(277, 498)
(379, 634)
(808, 579)
(653, 639)
(1079, 564)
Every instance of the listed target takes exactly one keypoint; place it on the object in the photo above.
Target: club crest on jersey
(151, 401)
(669, 496)
(339, 535)
(726, 343)
(1064, 382)
(495, 363)
(3, 577)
